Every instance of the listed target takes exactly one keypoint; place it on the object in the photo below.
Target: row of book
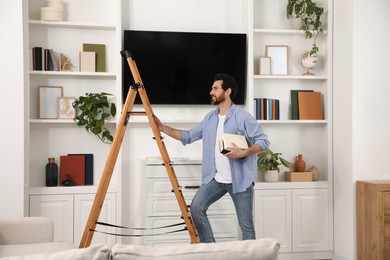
(44, 59)
(91, 59)
(78, 168)
(306, 105)
(267, 109)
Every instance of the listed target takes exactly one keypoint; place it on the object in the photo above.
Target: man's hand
(237, 153)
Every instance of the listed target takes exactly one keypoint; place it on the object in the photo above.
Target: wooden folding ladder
(138, 87)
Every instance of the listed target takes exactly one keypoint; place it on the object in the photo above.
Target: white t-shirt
(223, 174)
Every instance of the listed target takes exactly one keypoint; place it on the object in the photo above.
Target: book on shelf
(87, 61)
(310, 106)
(88, 171)
(267, 109)
(37, 55)
(294, 103)
(225, 143)
(100, 50)
(54, 60)
(74, 168)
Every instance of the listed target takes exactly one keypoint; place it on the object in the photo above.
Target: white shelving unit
(101, 24)
(281, 208)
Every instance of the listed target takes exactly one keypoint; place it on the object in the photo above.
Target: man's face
(217, 93)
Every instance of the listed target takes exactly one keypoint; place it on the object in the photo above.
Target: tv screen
(179, 67)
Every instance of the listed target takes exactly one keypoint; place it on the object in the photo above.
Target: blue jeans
(210, 193)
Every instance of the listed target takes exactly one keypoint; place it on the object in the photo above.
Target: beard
(217, 100)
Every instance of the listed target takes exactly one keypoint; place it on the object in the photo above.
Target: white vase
(295, 23)
(271, 176)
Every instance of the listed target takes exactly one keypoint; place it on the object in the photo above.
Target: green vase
(51, 173)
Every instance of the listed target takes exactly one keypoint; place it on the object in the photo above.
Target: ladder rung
(137, 113)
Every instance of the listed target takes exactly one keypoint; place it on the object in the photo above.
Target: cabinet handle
(192, 187)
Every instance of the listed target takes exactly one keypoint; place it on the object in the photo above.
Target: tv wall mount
(137, 88)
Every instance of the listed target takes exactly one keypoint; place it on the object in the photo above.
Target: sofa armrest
(26, 230)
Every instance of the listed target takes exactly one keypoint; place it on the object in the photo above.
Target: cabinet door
(311, 229)
(59, 208)
(83, 205)
(273, 216)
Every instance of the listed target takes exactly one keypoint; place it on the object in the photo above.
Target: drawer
(163, 187)
(170, 207)
(181, 171)
(223, 227)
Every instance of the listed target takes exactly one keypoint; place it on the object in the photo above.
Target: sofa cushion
(36, 248)
(94, 252)
(26, 230)
(265, 249)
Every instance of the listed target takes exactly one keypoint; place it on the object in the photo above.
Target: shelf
(290, 77)
(290, 185)
(292, 121)
(59, 121)
(61, 24)
(282, 31)
(67, 190)
(72, 73)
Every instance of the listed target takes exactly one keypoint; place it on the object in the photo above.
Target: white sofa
(32, 239)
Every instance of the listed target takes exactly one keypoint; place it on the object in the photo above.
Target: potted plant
(310, 15)
(93, 110)
(268, 162)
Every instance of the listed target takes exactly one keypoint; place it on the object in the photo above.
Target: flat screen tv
(179, 67)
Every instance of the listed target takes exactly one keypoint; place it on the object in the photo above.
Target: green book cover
(100, 50)
(294, 103)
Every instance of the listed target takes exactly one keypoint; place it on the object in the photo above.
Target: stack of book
(77, 167)
(44, 59)
(306, 105)
(267, 109)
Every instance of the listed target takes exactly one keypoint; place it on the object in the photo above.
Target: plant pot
(271, 176)
(295, 23)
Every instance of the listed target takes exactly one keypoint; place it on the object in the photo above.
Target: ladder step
(137, 113)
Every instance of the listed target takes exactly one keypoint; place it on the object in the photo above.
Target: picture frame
(279, 58)
(48, 100)
(265, 65)
(65, 108)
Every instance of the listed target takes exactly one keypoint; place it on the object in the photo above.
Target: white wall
(361, 105)
(12, 103)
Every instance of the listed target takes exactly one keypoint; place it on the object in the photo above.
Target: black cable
(141, 235)
(116, 226)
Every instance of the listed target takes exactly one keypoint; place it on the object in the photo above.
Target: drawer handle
(192, 187)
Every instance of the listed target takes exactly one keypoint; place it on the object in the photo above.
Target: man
(233, 172)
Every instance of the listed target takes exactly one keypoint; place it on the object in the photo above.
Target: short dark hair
(227, 82)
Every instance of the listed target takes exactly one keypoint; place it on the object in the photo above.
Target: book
(54, 60)
(37, 58)
(225, 143)
(100, 50)
(310, 106)
(74, 167)
(87, 61)
(88, 172)
(277, 113)
(294, 103)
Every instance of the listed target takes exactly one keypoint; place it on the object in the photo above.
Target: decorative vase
(314, 171)
(300, 164)
(51, 173)
(271, 176)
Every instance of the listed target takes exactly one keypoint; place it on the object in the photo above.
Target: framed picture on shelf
(265, 66)
(279, 58)
(48, 101)
(65, 108)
